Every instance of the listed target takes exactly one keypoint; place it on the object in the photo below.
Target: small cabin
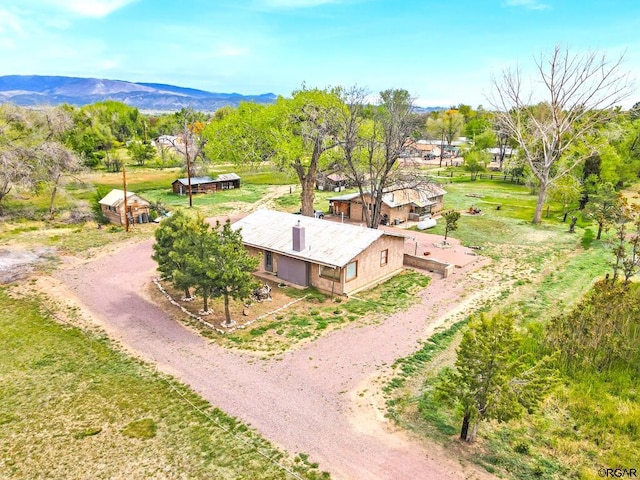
(113, 207)
(224, 181)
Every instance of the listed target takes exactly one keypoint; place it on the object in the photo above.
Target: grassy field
(591, 421)
(71, 404)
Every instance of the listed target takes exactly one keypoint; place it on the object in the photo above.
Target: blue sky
(443, 52)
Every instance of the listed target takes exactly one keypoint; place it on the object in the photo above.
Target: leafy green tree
(603, 207)
(566, 191)
(475, 162)
(580, 92)
(307, 127)
(241, 135)
(451, 218)
(492, 380)
(486, 139)
(140, 151)
(90, 137)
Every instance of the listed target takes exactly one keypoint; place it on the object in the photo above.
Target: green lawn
(592, 419)
(71, 406)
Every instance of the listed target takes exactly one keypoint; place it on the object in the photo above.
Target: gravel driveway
(319, 399)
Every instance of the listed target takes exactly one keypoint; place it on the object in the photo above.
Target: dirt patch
(17, 264)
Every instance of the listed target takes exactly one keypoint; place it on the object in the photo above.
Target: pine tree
(233, 267)
(491, 380)
(173, 241)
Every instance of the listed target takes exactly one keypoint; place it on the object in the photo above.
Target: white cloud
(527, 4)
(231, 51)
(10, 23)
(86, 8)
(297, 3)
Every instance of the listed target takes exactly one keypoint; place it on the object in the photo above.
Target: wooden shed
(112, 206)
(224, 181)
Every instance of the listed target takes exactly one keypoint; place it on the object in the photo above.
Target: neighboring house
(224, 181)
(333, 257)
(397, 207)
(421, 148)
(497, 152)
(335, 182)
(113, 207)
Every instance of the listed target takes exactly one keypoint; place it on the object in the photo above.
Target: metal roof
(194, 180)
(223, 177)
(346, 197)
(115, 197)
(326, 242)
(421, 196)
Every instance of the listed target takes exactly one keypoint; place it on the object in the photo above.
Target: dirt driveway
(321, 399)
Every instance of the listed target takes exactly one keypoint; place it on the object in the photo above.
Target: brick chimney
(298, 237)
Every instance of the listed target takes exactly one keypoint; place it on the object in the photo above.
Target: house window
(384, 257)
(352, 271)
(268, 261)
(331, 273)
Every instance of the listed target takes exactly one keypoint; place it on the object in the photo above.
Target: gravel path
(319, 399)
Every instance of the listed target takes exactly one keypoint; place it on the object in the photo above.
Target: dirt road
(319, 399)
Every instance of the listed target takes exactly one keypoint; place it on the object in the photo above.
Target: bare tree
(31, 150)
(374, 137)
(578, 91)
(190, 143)
(446, 126)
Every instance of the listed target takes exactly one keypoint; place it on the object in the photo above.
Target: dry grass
(71, 406)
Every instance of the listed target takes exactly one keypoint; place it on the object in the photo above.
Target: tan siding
(326, 284)
(369, 269)
(356, 211)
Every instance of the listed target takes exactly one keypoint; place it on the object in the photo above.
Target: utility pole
(186, 151)
(124, 188)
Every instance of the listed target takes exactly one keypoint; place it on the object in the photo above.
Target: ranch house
(333, 257)
(398, 206)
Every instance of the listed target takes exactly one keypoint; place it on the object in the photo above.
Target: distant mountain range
(37, 90)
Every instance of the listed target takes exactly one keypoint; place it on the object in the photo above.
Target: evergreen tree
(200, 265)
(491, 379)
(173, 242)
(233, 267)
(212, 260)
